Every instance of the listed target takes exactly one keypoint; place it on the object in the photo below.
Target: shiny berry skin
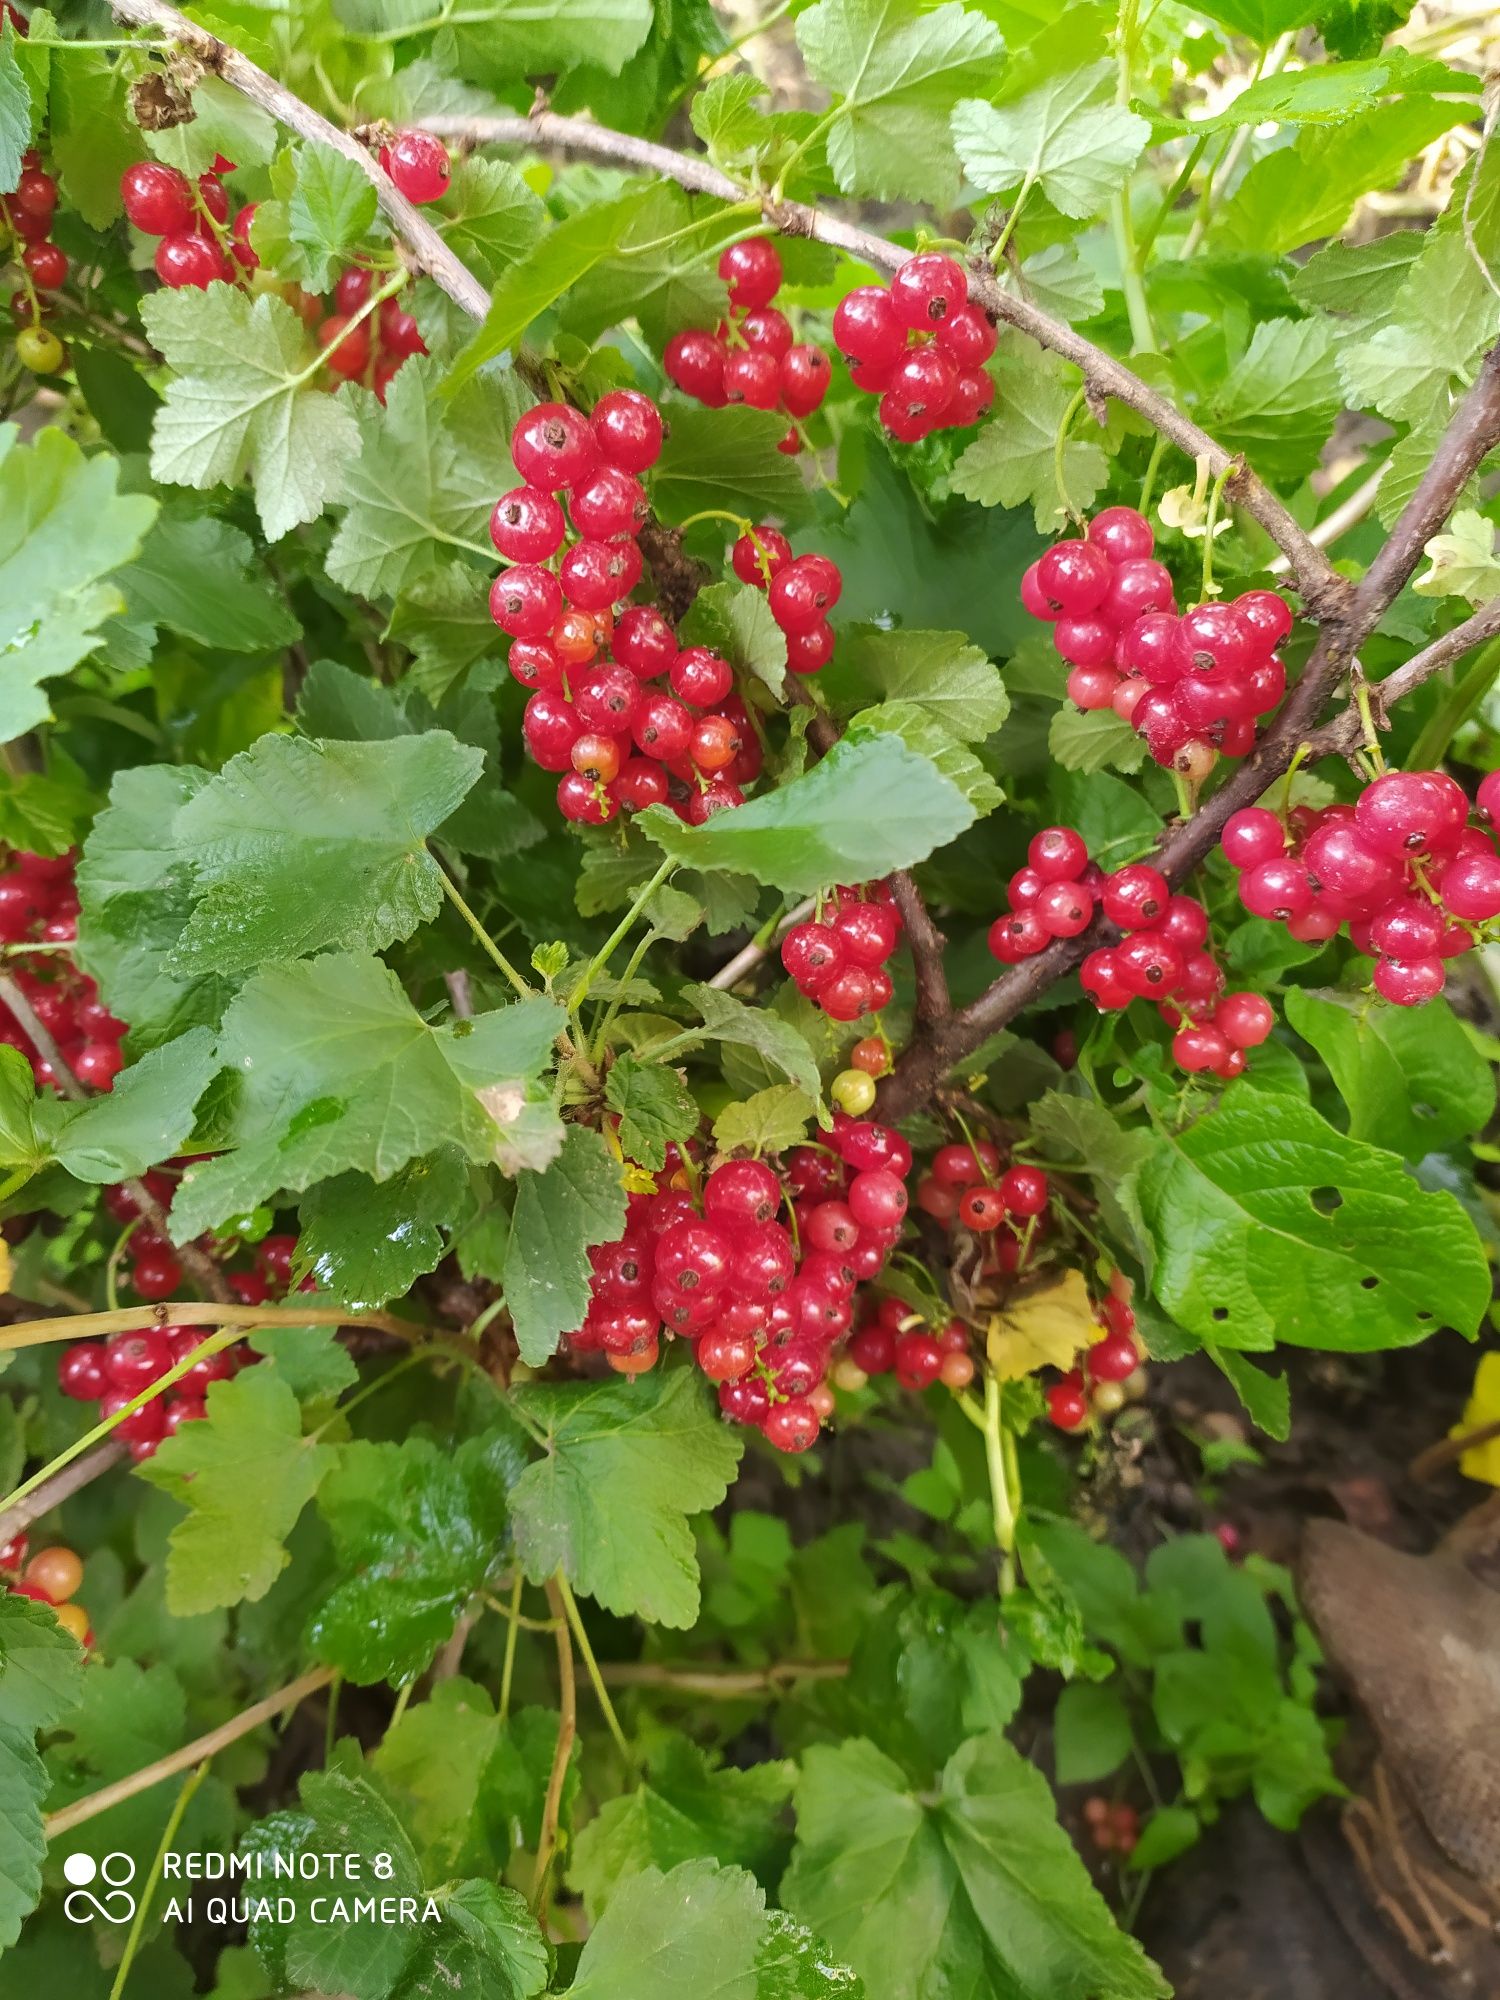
(691, 1256)
(752, 271)
(1408, 927)
(715, 743)
(1409, 982)
(1074, 577)
(767, 329)
(662, 728)
(157, 198)
(791, 1426)
(747, 1401)
(190, 261)
(596, 757)
(1112, 1359)
(1122, 533)
(752, 377)
(1487, 798)
(700, 676)
(847, 995)
(552, 446)
(1471, 887)
(527, 525)
(155, 1275)
(608, 700)
(927, 290)
(1135, 897)
(56, 1572)
(1020, 935)
(1252, 835)
(525, 601)
(183, 1410)
(1136, 589)
(1184, 922)
(39, 349)
(644, 642)
(725, 1357)
(918, 1360)
(1267, 615)
(805, 376)
(418, 165)
(80, 1371)
(866, 326)
(1057, 854)
(1101, 978)
(1067, 1406)
(1245, 1020)
(582, 801)
(1337, 858)
(1218, 642)
(867, 932)
(810, 650)
(981, 1209)
(1024, 1190)
(36, 194)
(694, 361)
(1277, 888)
(1411, 812)
(877, 1200)
(967, 337)
(1150, 965)
(47, 264)
(550, 727)
(1089, 643)
(923, 384)
(973, 393)
(595, 575)
(627, 429)
(804, 592)
(1064, 909)
(758, 557)
(145, 1426)
(97, 1064)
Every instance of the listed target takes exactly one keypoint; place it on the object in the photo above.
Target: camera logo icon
(114, 1903)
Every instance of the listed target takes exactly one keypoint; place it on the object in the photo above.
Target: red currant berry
(805, 375)
(346, 346)
(1409, 982)
(550, 727)
(1024, 1191)
(644, 642)
(627, 429)
(607, 503)
(418, 165)
(791, 1426)
(1135, 897)
(47, 264)
(81, 1373)
(1067, 1405)
(694, 361)
(1064, 909)
(525, 601)
(752, 377)
(927, 290)
(701, 676)
(1244, 1019)
(552, 447)
(595, 575)
(156, 1275)
(1411, 812)
(1057, 854)
(752, 271)
(758, 556)
(157, 198)
(97, 1064)
(663, 728)
(190, 261)
(1101, 978)
(526, 525)
(1267, 615)
(810, 650)
(1075, 577)
(918, 1360)
(866, 327)
(1252, 835)
(1122, 533)
(804, 592)
(1470, 887)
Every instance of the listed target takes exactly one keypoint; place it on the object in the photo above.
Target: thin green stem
(513, 1626)
(738, 521)
(13, 1183)
(632, 966)
(1000, 1493)
(696, 228)
(331, 1720)
(1064, 504)
(403, 1696)
(617, 936)
(1458, 704)
(215, 1343)
(1210, 526)
(596, 1679)
(372, 304)
(112, 1263)
(148, 1891)
(1170, 199)
(1148, 484)
(450, 890)
(1142, 332)
(373, 1388)
(1291, 771)
(1003, 239)
(1367, 722)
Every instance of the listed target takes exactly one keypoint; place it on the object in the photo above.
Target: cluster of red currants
(1191, 684)
(764, 1303)
(752, 358)
(38, 904)
(199, 247)
(966, 1184)
(920, 345)
(593, 714)
(1111, 1371)
(838, 958)
(51, 1577)
(1401, 868)
(1112, 1829)
(115, 1371)
(896, 1340)
(369, 349)
(801, 591)
(27, 210)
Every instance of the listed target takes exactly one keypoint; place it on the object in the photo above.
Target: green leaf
(539, 279)
(500, 1953)
(243, 399)
(735, 620)
(1092, 740)
(368, 1241)
(939, 672)
(224, 121)
(727, 459)
(414, 492)
(993, 1897)
(92, 139)
(825, 827)
(1328, 93)
(417, 1529)
(445, 620)
(1169, 1832)
(199, 577)
(299, 846)
(1283, 395)
(64, 526)
(489, 216)
(1067, 136)
(1412, 1084)
(15, 109)
(726, 1019)
(689, 1935)
(1462, 561)
(1267, 1399)
(19, 1144)
(331, 210)
(136, 897)
(338, 1072)
(647, 1452)
(508, 42)
(46, 812)
(1359, 281)
(662, 273)
(146, 1117)
(1091, 1733)
(920, 733)
(686, 1809)
(244, 1473)
(309, 1359)
(344, 1816)
(654, 1105)
(770, 1121)
(40, 1674)
(560, 1214)
(1012, 461)
(793, 1964)
(1269, 1225)
(896, 71)
(1262, 21)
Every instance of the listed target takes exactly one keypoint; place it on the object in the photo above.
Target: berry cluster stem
(1003, 1500)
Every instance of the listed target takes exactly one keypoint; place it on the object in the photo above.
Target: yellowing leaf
(1463, 561)
(1482, 1461)
(1046, 1329)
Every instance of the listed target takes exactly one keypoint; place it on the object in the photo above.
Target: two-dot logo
(114, 1903)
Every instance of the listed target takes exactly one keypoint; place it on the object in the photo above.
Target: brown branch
(926, 941)
(202, 1267)
(193, 1312)
(1321, 585)
(567, 1729)
(1443, 1453)
(721, 1684)
(62, 1486)
(429, 254)
(1343, 734)
(184, 1759)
